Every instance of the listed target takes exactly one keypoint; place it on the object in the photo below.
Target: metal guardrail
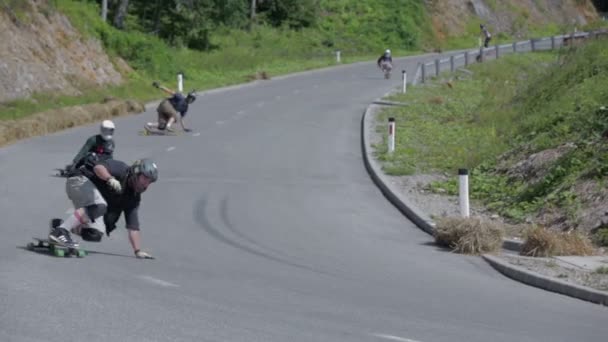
(426, 70)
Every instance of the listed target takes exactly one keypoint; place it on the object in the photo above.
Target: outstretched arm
(84, 150)
(163, 88)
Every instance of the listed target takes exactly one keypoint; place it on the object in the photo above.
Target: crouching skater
(101, 193)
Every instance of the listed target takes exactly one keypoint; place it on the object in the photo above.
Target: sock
(73, 221)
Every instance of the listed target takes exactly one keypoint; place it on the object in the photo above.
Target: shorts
(165, 112)
(82, 192)
(386, 65)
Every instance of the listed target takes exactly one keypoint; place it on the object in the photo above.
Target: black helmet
(191, 97)
(145, 167)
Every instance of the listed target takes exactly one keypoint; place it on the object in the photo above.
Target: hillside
(42, 49)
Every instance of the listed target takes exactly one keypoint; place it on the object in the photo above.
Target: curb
(547, 283)
(423, 221)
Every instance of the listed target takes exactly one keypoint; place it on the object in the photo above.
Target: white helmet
(107, 129)
(388, 51)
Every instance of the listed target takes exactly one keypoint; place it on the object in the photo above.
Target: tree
(121, 13)
(104, 10)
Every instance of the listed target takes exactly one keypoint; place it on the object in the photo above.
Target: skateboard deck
(55, 249)
(151, 131)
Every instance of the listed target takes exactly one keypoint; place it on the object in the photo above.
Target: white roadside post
(338, 56)
(391, 135)
(463, 191)
(404, 73)
(180, 82)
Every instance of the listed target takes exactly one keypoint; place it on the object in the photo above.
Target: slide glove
(114, 184)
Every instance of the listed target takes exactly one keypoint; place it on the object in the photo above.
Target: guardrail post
(463, 192)
(532, 45)
(437, 67)
(338, 52)
(466, 58)
(423, 72)
(497, 51)
(452, 67)
(552, 42)
(481, 57)
(514, 47)
(404, 76)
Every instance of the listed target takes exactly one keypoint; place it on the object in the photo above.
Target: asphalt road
(266, 227)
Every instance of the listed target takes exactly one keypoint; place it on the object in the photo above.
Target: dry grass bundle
(541, 242)
(470, 235)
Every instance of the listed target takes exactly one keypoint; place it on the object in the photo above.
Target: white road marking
(196, 134)
(394, 338)
(296, 91)
(220, 122)
(260, 104)
(157, 281)
(278, 97)
(240, 112)
(171, 149)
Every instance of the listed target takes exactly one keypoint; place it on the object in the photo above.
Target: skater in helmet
(102, 193)
(485, 35)
(97, 147)
(385, 63)
(171, 109)
(385, 58)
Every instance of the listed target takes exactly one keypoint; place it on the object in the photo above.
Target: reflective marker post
(391, 135)
(338, 56)
(404, 80)
(180, 82)
(463, 192)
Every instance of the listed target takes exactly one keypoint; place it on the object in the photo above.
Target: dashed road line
(394, 338)
(157, 281)
(171, 149)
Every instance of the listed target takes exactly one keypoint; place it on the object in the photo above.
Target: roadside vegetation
(217, 42)
(531, 128)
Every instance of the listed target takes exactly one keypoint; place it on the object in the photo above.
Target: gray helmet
(146, 167)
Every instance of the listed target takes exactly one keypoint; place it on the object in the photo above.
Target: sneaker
(62, 237)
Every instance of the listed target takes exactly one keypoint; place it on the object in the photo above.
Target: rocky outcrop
(41, 51)
(515, 17)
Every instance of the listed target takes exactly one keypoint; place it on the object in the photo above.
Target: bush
(469, 235)
(541, 242)
(601, 237)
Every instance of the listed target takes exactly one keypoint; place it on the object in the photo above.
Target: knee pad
(90, 234)
(96, 210)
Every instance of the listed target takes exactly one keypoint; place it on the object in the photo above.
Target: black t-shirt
(178, 101)
(127, 201)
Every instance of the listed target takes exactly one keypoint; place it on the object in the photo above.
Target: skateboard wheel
(81, 253)
(31, 246)
(58, 252)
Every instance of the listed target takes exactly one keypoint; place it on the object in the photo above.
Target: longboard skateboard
(55, 249)
(152, 131)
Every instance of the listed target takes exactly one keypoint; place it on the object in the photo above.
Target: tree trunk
(121, 13)
(104, 10)
(252, 15)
